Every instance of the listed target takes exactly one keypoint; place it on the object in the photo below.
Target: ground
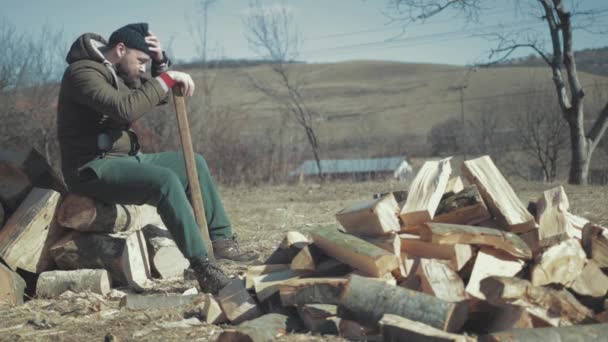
(261, 215)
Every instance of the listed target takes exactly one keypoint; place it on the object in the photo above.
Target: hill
(593, 61)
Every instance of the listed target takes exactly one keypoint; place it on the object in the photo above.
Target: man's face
(132, 65)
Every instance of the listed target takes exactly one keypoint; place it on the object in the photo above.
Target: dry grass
(260, 215)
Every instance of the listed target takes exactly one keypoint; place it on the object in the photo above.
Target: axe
(196, 197)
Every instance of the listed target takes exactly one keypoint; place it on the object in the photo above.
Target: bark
(54, 283)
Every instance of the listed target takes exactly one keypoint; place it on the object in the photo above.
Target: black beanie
(133, 36)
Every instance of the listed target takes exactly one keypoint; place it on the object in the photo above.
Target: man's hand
(183, 80)
(155, 48)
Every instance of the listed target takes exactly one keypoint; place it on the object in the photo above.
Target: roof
(336, 166)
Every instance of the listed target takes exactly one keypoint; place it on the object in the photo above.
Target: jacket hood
(87, 47)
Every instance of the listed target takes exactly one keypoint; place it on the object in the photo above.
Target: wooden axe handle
(196, 197)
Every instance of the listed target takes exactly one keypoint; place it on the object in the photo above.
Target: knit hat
(133, 36)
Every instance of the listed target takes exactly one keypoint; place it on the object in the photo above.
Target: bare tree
(271, 32)
(561, 22)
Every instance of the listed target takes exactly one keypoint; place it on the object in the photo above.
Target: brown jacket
(94, 100)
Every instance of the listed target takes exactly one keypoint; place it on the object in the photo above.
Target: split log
(591, 282)
(208, 311)
(371, 218)
(560, 264)
(367, 300)
(20, 171)
(12, 286)
(392, 244)
(498, 195)
(158, 301)
(595, 243)
(413, 246)
(462, 255)
(355, 252)
(268, 284)
(262, 329)
(443, 233)
(312, 291)
(320, 318)
(356, 331)
(165, 257)
(330, 268)
(491, 262)
(439, 280)
(236, 302)
(307, 259)
(291, 245)
(51, 284)
(465, 207)
(124, 256)
(551, 215)
(501, 317)
(582, 333)
(455, 185)
(577, 224)
(549, 303)
(400, 329)
(88, 215)
(258, 270)
(28, 233)
(425, 192)
(295, 239)
(531, 239)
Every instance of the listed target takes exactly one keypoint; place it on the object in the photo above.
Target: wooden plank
(367, 300)
(371, 218)
(88, 215)
(582, 333)
(591, 282)
(547, 302)
(12, 286)
(425, 192)
(51, 284)
(354, 251)
(268, 284)
(560, 264)
(466, 207)
(595, 243)
(236, 302)
(498, 195)
(551, 215)
(165, 257)
(262, 329)
(490, 262)
(312, 291)
(28, 233)
(400, 329)
(441, 281)
(443, 233)
(257, 270)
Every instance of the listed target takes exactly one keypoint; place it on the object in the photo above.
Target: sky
(330, 30)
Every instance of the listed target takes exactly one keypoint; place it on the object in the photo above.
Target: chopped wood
(531, 239)
(208, 310)
(165, 257)
(354, 251)
(465, 207)
(491, 262)
(124, 255)
(51, 284)
(413, 246)
(392, 244)
(371, 218)
(20, 171)
(595, 243)
(551, 215)
(367, 300)
(396, 328)
(330, 268)
(454, 186)
(157, 301)
(551, 303)
(589, 332)
(28, 233)
(591, 282)
(12, 286)
(443, 233)
(262, 329)
(311, 291)
(307, 259)
(441, 281)
(577, 224)
(355, 331)
(320, 318)
(400, 195)
(425, 192)
(560, 264)
(268, 284)
(462, 255)
(257, 270)
(236, 302)
(88, 215)
(498, 317)
(294, 238)
(498, 195)
(291, 245)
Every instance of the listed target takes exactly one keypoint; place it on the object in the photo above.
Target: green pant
(158, 179)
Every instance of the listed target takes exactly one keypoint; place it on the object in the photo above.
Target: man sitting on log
(103, 91)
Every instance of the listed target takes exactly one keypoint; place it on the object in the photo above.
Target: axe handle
(196, 197)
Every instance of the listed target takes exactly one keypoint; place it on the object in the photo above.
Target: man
(103, 91)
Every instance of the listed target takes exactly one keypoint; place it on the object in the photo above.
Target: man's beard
(130, 80)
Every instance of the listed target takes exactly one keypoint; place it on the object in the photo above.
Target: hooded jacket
(93, 100)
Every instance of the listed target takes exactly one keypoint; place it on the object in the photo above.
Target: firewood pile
(450, 259)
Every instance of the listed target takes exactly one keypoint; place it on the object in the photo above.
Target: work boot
(211, 278)
(231, 250)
